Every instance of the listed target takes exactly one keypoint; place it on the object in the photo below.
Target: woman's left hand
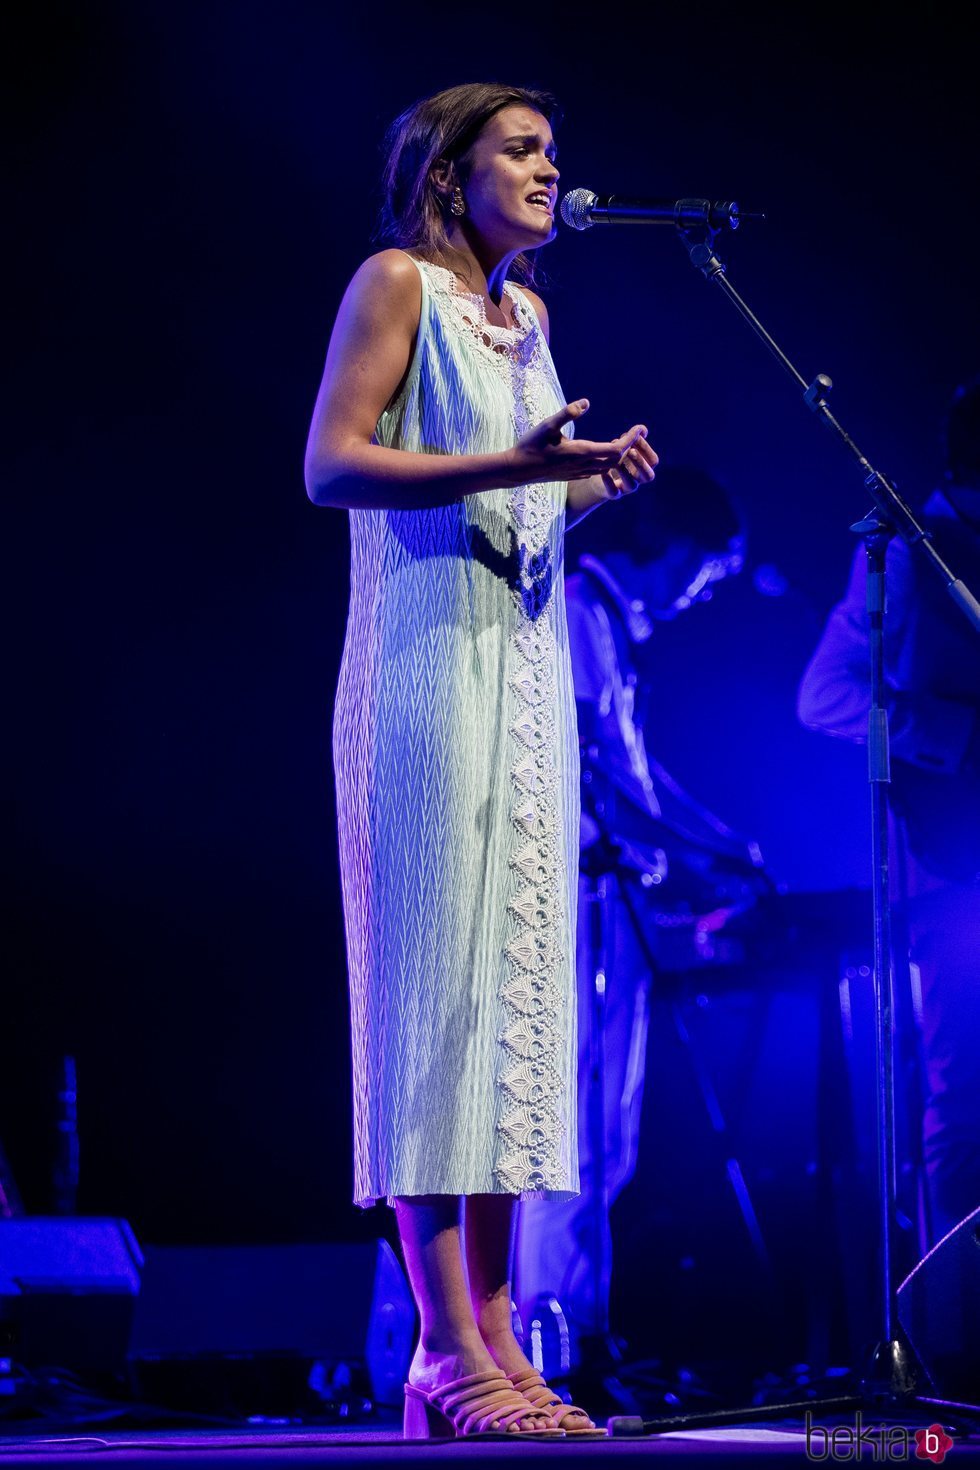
(636, 467)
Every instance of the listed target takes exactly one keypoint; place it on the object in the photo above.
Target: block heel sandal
(478, 1406)
(536, 1391)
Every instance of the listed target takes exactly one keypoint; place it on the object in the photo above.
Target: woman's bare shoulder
(384, 294)
(390, 273)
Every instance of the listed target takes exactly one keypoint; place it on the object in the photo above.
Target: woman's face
(511, 181)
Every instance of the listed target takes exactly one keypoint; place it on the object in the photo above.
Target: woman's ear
(443, 177)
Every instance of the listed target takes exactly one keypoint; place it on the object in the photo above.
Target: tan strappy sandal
(478, 1406)
(530, 1383)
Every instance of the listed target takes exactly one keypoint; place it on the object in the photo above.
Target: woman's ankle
(448, 1341)
(505, 1350)
(496, 1328)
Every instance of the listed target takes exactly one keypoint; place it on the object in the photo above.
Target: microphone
(581, 209)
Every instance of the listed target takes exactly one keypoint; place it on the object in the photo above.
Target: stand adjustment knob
(816, 395)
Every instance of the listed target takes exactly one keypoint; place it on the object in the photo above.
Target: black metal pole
(890, 1375)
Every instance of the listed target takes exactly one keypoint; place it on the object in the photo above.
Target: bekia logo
(878, 1441)
(932, 1444)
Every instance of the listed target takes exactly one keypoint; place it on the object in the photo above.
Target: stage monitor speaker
(68, 1286)
(324, 1304)
(939, 1308)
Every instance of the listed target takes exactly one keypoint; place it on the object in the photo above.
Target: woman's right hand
(545, 454)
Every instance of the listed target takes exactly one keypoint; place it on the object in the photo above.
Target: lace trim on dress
(471, 309)
(516, 351)
(532, 1079)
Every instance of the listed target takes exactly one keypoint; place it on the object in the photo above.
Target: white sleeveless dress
(456, 763)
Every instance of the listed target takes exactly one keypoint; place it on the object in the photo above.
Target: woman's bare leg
(489, 1225)
(450, 1344)
(489, 1228)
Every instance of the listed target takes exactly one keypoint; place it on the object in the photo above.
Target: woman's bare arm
(370, 353)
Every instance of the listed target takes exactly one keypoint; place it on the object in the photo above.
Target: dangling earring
(457, 205)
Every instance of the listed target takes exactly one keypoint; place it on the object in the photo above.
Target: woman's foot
(433, 1366)
(505, 1351)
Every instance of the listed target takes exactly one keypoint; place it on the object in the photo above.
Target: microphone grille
(576, 208)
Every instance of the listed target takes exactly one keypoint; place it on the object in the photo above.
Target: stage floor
(775, 1442)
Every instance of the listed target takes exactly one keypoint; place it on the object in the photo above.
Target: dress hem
(559, 1196)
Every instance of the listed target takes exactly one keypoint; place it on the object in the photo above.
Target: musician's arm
(835, 692)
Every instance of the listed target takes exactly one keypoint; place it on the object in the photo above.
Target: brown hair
(444, 126)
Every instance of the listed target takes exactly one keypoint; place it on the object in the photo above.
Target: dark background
(193, 186)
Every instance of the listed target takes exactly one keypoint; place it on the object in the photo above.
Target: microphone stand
(891, 1372)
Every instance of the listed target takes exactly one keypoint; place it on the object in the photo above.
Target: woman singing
(441, 427)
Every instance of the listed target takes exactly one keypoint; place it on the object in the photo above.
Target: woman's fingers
(566, 415)
(637, 463)
(591, 456)
(635, 466)
(631, 437)
(630, 472)
(641, 465)
(623, 464)
(646, 452)
(614, 483)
